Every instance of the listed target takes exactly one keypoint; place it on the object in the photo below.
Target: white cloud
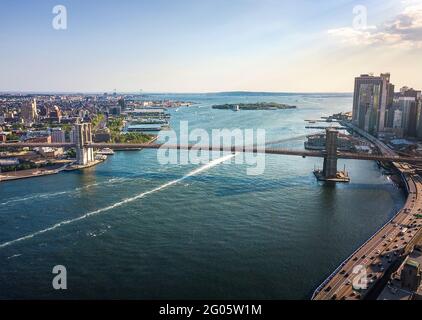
(405, 30)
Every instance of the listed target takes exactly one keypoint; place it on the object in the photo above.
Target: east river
(132, 228)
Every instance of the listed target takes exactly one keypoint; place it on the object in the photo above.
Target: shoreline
(400, 179)
(31, 173)
(34, 173)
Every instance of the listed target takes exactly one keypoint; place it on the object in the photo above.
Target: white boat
(100, 157)
(105, 152)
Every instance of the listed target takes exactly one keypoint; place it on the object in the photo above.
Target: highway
(374, 257)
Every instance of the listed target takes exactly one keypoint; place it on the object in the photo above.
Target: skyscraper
(398, 119)
(371, 97)
(389, 114)
(408, 106)
(122, 104)
(419, 119)
(410, 102)
(29, 111)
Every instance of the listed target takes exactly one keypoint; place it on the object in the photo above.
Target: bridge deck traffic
(260, 150)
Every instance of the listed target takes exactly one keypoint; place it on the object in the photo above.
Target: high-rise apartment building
(29, 111)
(409, 103)
(408, 107)
(398, 119)
(372, 95)
(419, 119)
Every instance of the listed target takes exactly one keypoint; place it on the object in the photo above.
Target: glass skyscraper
(370, 101)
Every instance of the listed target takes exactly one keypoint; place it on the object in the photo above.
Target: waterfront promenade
(32, 173)
(358, 275)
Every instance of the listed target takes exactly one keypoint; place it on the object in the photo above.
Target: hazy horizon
(166, 93)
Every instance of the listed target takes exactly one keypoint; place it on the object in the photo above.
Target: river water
(132, 228)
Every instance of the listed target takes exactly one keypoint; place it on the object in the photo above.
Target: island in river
(254, 106)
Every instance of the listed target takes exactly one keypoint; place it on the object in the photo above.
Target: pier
(323, 128)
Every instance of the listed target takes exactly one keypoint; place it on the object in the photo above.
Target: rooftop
(145, 111)
(392, 292)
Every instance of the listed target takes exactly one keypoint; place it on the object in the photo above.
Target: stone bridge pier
(83, 136)
(330, 160)
(330, 172)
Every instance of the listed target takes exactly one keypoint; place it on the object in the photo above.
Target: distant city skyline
(189, 46)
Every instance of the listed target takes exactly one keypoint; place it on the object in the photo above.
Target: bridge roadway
(384, 248)
(379, 252)
(260, 150)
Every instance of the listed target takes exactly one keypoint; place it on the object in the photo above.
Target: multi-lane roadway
(355, 277)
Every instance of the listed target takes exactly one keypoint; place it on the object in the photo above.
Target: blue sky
(206, 45)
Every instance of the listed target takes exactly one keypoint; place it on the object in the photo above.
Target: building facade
(372, 95)
(29, 111)
(408, 102)
(58, 135)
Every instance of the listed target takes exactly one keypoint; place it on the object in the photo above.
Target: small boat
(105, 152)
(101, 157)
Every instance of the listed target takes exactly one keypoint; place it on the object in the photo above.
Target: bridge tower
(329, 172)
(83, 136)
(330, 159)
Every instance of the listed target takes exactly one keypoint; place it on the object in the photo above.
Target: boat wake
(121, 203)
(55, 194)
